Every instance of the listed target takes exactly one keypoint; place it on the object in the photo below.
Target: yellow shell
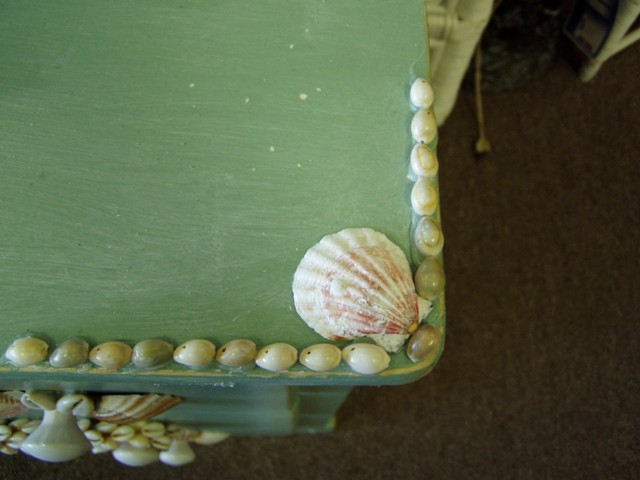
(197, 353)
(424, 197)
(237, 353)
(27, 351)
(424, 343)
(112, 355)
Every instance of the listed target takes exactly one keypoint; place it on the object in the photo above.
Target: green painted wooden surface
(165, 165)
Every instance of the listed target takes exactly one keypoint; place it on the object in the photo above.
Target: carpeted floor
(540, 375)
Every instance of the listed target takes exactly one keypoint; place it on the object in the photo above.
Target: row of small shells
(136, 445)
(199, 354)
(429, 278)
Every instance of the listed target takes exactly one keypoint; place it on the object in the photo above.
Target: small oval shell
(424, 197)
(423, 126)
(321, 357)
(421, 93)
(152, 353)
(237, 353)
(70, 353)
(277, 357)
(429, 278)
(365, 358)
(428, 237)
(424, 161)
(10, 404)
(197, 353)
(357, 283)
(425, 342)
(112, 355)
(126, 409)
(27, 351)
(178, 454)
(135, 457)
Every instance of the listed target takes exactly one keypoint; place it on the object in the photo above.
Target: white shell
(423, 126)
(365, 358)
(112, 355)
(424, 161)
(196, 353)
(421, 93)
(27, 351)
(357, 283)
(424, 197)
(428, 237)
(277, 357)
(210, 437)
(178, 454)
(321, 357)
(135, 457)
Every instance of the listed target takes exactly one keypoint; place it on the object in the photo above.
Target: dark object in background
(519, 43)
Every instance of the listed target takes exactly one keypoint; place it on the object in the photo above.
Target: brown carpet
(540, 375)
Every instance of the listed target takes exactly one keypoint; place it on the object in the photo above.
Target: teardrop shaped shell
(70, 353)
(357, 283)
(112, 355)
(197, 353)
(425, 342)
(131, 408)
(428, 237)
(424, 197)
(152, 353)
(424, 161)
(429, 278)
(277, 357)
(423, 126)
(10, 404)
(421, 93)
(27, 351)
(136, 457)
(365, 358)
(237, 353)
(322, 357)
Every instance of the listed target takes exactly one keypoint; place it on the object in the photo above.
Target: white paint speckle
(306, 30)
(318, 89)
(291, 45)
(191, 85)
(303, 96)
(298, 165)
(272, 149)
(247, 99)
(253, 169)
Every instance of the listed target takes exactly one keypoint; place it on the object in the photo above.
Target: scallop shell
(125, 409)
(10, 404)
(358, 283)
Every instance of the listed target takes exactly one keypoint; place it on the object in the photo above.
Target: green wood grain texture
(161, 175)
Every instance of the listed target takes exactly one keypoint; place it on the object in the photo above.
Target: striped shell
(124, 409)
(10, 404)
(358, 283)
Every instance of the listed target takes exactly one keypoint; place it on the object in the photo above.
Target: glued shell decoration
(365, 358)
(357, 283)
(125, 409)
(197, 353)
(10, 404)
(277, 357)
(321, 358)
(70, 353)
(111, 355)
(27, 351)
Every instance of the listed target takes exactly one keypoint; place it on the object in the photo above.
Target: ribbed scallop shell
(358, 283)
(124, 409)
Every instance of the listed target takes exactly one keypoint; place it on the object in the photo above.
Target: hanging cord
(482, 144)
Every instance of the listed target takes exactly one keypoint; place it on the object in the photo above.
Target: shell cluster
(237, 356)
(138, 444)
